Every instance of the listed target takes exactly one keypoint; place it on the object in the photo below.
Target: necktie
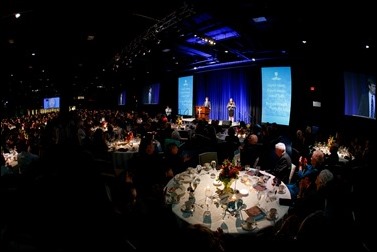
(372, 106)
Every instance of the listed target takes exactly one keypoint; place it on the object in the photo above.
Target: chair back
(207, 157)
(313, 225)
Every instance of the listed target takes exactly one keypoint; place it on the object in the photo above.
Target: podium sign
(202, 112)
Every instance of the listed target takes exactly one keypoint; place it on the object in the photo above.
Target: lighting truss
(150, 35)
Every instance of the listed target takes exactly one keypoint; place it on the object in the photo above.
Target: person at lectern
(168, 112)
(231, 106)
(207, 103)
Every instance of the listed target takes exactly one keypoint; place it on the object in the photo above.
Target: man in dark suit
(283, 164)
(367, 105)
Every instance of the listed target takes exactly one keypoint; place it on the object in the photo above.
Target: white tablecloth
(230, 224)
(121, 157)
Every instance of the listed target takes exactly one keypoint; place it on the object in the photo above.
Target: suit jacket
(283, 168)
(363, 109)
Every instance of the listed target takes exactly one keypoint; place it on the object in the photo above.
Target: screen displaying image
(359, 95)
(185, 95)
(276, 95)
(122, 98)
(151, 94)
(51, 103)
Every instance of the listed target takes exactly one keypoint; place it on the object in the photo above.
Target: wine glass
(213, 164)
(247, 168)
(224, 207)
(198, 168)
(208, 194)
(207, 212)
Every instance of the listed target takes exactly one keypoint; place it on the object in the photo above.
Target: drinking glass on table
(247, 167)
(208, 194)
(213, 164)
(198, 168)
(207, 212)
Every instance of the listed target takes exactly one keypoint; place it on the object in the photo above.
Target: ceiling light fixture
(260, 19)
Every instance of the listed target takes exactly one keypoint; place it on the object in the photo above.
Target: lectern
(202, 112)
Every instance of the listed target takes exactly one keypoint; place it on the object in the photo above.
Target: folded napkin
(255, 213)
(251, 173)
(259, 187)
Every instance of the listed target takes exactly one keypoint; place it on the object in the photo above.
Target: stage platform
(221, 122)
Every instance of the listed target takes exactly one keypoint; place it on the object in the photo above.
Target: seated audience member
(313, 191)
(199, 236)
(312, 197)
(283, 164)
(147, 170)
(5, 169)
(131, 210)
(316, 164)
(174, 162)
(232, 143)
(250, 150)
(165, 131)
(305, 168)
(232, 138)
(98, 145)
(25, 158)
(333, 158)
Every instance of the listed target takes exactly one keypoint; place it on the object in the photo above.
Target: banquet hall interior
(104, 115)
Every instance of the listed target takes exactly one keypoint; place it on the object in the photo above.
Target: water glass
(198, 168)
(213, 164)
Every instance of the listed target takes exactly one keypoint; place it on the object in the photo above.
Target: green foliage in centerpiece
(228, 173)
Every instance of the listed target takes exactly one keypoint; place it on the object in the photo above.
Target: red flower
(228, 171)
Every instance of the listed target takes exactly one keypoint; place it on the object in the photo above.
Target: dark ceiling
(84, 45)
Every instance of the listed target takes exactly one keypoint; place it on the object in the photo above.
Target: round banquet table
(245, 192)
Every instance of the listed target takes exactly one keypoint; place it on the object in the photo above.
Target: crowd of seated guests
(61, 139)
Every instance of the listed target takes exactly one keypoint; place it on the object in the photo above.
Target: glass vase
(227, 186)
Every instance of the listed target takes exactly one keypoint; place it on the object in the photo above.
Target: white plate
(244, 192)
(217, 183)
(282, 192)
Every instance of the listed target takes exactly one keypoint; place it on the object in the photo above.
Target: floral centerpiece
(179, 121)
(228, 173)
(330, 141)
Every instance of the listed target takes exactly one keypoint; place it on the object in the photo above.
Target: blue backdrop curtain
(222, 85)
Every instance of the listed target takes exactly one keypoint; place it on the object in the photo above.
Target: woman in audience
(316, 164)
(174, 161)
(304, 169)
(147, 171)
(313, 193)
